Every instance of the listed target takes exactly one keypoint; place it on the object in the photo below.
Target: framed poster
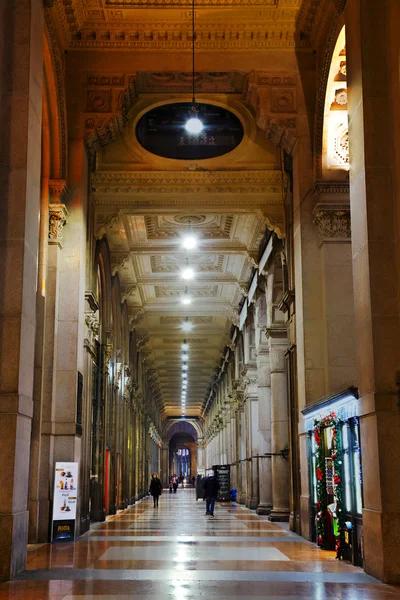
(64, 501)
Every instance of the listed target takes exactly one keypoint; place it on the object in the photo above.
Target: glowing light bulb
(184, 367)
(189, 242)
(187, 273)
(186, 300)
(193, 126)
(185, 356)
(185, 346)
(187, 326)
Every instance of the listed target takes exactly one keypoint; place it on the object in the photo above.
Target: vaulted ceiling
(145, 205)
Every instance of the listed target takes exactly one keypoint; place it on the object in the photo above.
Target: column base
(242, 499)
(279, 515)
(252, 503)
(14, 535)
(264, 509)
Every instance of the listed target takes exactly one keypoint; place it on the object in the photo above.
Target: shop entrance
(335, 475)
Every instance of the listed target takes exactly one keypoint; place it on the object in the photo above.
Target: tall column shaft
(279, 427)
(21, 34)
(264, 431)
(252, 494)
(375, 217)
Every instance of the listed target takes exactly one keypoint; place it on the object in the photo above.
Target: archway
(182, 457)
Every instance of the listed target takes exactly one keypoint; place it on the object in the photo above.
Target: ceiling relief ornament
(333, 223)
(207, 226)
(173, 263)
(57, 220)
(204, 291)
(180, 320)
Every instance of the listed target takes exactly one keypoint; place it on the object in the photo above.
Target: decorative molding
(57, 219)
(204, 3)
(333, 223)
(126, 182)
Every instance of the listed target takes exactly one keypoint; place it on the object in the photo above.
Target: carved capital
(57, 188)
(233, 316)
(137, 317)
(57, 219)
(333, 223)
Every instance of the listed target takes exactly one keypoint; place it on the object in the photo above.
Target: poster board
(223, 474)
(64, 501)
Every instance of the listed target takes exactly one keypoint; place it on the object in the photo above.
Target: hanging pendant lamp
(193, 125)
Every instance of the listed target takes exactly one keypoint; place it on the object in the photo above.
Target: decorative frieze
(57, 219)
(333, 223)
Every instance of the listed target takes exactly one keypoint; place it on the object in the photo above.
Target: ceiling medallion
(190, 219)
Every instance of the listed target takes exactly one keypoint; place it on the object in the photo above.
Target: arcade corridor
(176, 553)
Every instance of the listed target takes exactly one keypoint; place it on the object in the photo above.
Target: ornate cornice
(167, 182)
(57, 219)
(333, 222)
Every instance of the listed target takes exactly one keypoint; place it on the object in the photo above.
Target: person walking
(175, 483)
(211, 487)
(155, 489)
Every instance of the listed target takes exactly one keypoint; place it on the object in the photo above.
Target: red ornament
(319, 474)
(336, 479)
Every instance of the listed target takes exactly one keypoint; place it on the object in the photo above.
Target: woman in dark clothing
(155, 489)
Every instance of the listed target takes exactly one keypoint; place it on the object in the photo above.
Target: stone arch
(174, 426)
(331, 131)
(103, 268)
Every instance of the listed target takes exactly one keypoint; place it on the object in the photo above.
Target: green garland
(330, 421)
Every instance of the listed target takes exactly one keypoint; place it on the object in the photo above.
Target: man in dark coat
(155, 489)
(211, 487)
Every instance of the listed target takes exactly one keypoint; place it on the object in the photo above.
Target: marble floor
(175, 552)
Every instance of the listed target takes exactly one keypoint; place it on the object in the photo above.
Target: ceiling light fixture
(187, 273)
(187, 325)
(189, 242)
(186, 298)
(193, 125)
(185, 346)
(184, 367)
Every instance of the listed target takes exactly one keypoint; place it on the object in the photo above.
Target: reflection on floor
(175, 552)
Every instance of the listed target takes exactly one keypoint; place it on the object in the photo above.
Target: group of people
(210, 488)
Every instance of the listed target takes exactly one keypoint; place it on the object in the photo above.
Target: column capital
(57, 219)
(333, 222)
(57, 188)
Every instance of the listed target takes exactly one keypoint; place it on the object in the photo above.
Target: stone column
(201, 463)
(279, 425)
(242, 484)
(21, 34)
(264, 429)
(164, 464)
(252, 495)
(374, 134)
(233, 454)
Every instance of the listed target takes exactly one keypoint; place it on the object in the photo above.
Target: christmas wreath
(330, 421)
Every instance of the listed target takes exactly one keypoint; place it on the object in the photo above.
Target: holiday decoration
(335, 423)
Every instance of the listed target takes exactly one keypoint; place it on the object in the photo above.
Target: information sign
(64, 501)
(223, 474)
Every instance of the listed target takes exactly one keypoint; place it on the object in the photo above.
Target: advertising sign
(64, 501)
(223, 474)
